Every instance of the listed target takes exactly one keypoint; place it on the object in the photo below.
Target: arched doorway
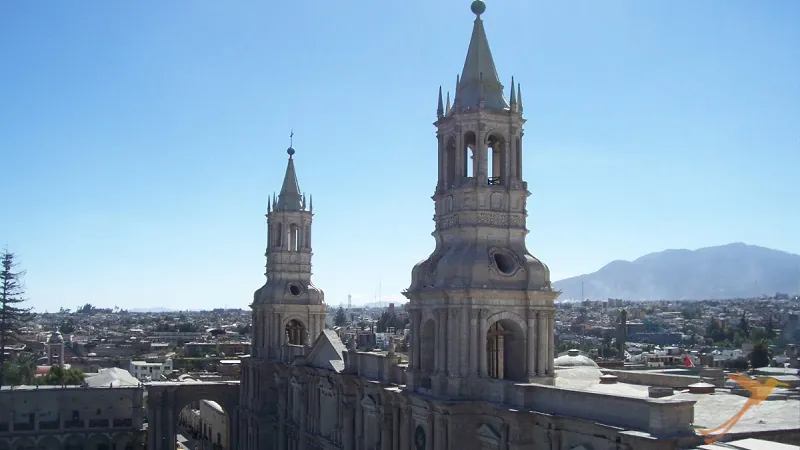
(74, 442)
(204, 424)
(98, 442)
(48, 443)
(505, 351)
(295, 332)
(24, 444)
(167, 399)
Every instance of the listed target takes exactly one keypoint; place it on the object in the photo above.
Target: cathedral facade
(479, 373)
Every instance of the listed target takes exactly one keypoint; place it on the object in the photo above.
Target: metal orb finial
(290, 151)
(478, 7)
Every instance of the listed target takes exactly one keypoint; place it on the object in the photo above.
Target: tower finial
(290, 150)
(478, 7)
(440, 105)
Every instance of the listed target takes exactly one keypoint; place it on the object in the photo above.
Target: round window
(294, 289)
(505, 263)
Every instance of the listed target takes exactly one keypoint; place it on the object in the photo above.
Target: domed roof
(56, 337)
(573, 358)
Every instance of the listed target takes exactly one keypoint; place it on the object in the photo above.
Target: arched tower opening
(295, 332)
(450, 162)
(278, 235)
(505, 351)
(294, 238)
(497, 158)
(470, 163)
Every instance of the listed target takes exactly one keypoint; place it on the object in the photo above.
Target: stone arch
(167, 399)
(74, 442)
(293, 237)
(507, 315)
(98, 442)
(470, 144)
(47, 443)
(506, 347)
(295, 328)
(497, 156)
(24, 444)
(122, 441)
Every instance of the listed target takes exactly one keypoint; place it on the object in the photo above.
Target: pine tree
(12, 315)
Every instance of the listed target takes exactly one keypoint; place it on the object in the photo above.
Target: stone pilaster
(541, 343)
(531, 343)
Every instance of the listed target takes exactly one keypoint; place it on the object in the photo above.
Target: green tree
(20, 372)
(760, 355)
(770, 328)
(744, 327)
(340, 318)
(58, 375)
(12, 315)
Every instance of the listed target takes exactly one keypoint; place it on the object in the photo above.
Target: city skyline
(144, 165)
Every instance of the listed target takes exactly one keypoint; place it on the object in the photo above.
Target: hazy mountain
(727, 271)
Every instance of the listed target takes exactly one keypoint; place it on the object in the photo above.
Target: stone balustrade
(659, 417)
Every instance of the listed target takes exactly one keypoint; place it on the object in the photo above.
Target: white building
(145, 370)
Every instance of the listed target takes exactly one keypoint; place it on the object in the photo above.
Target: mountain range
(728, 271)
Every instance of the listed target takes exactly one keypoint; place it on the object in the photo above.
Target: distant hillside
(151, 310)
(728, 271)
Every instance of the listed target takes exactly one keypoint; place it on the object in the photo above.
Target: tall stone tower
(482, 305)
(288, 309)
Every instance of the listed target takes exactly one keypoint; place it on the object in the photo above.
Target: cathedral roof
(290, 198)
(479, 81)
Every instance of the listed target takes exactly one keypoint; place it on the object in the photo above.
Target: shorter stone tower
(55, 348)
(288, 309)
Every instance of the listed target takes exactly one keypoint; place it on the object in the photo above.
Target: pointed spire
(447, 107)
(269, 205)
(479, 81)
(310, 202)
(519, 97)
(440, 105)
(290, 198)
(513, 101)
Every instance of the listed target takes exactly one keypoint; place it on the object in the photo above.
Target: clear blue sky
(141, 140)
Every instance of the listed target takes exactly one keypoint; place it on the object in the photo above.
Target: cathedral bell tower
(288, 309)
(482, 305)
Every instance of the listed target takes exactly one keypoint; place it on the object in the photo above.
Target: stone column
(453, 342)
(463, 342)
(303, 395)
(395, 427)
(481, 342)
(541, 344)
(473, 341)
(347, 438)
(440, 433)
(442, 160)
(416, 334)
(441, 342)
(531, 343)
(386, 431)
(551, 340)
(460, 155)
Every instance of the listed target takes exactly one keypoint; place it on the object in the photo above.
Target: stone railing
(649, 378)
(375, 366)
(659, 417)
